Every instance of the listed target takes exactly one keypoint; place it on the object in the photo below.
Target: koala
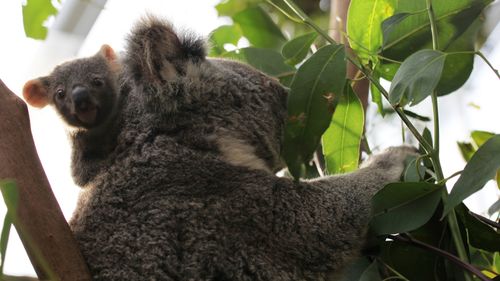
(176, 154)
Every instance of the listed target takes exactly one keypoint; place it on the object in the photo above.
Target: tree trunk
(50, 245)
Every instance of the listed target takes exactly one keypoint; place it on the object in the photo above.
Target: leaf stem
(451, 217)
(488, 63)
(468, 267)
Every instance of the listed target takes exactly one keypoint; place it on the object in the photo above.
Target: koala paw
(392, 160)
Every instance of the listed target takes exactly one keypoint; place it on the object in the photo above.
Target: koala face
(83, 91)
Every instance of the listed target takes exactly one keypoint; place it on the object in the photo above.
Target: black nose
(81, 98)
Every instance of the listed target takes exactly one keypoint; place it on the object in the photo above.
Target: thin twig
(464, 265)
(486, 220)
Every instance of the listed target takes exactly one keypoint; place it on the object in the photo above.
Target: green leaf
(389, 23)
(458, 23)
(354, 270)
(363, 26)
(10, 195)
(401, 207)
(259, 28)
(480, 169)
(413, 32)
(225, 34)
(412, 173)
(341, 141)
(232, 7)
(266, 60)
(371, 273)
(416, 116)
(466, 149)
(480, 137)
(311, 102)
(417, 77)
(4, 240)
(480, 235)
(295, 50)
(495, 207)
(35, 13)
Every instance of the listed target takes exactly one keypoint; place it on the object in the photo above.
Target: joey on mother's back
(177, 154)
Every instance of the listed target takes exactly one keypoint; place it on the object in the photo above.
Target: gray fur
(164, 201)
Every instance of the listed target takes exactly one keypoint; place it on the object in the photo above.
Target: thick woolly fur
(183, 187)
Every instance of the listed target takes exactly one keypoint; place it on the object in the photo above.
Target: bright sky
(22, 59)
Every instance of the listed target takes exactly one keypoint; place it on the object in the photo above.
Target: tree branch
(50, 245)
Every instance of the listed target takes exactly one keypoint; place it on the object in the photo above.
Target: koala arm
(325, 220)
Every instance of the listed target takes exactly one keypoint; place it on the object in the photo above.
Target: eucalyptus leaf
(35, 14)
(401, 207)
(480, 137)
(232, 7)
(317, 83)
(258, 27)
(225, 34)
(495, 207)
(466, 149)
(414, 172)
(266, 60)
(363, 26)
(10, 195)
(412, 33)
(481, 168)
(295, 50)
(480, 235)
(389, 23)
(371, 273)
(417, 77)
(341, 141)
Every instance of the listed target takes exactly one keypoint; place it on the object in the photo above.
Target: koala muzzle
(84, 106)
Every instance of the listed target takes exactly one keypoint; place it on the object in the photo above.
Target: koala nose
(81, 98)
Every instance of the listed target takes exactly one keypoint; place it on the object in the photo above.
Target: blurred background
(82, 26)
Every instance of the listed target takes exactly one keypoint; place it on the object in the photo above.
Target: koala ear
(36, 93)
(109, 54)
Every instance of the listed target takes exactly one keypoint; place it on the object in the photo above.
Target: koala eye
(60, 94)
(97, 82)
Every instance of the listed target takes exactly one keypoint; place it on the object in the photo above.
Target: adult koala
(177, 154)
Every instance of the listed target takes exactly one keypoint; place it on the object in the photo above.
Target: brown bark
(38, 219)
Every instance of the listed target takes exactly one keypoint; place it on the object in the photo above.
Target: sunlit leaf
(480, 137)
(311, 101)
(401, 207)
(480, 169)
(295, 50)
(259, 28)
(458, 23)
(232, 7)
(35, 13)
(341, 141)
(417, 77)
(364, 21)
(225, 34)
(412, 33)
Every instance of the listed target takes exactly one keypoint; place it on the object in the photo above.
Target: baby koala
(177, 153)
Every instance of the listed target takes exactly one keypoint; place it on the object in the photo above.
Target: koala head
(83, 91)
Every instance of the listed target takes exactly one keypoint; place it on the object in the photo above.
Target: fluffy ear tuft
(109, 54)
(35, 93)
